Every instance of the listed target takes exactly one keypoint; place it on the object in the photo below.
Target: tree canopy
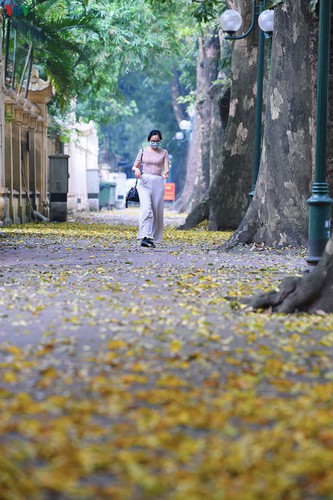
(113, 59)
(85, 46)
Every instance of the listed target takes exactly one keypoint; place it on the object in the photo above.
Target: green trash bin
(107, 195)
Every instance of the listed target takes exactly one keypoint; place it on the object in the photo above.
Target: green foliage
(58, 34)
(139, 98)
(84, 47)
(125, 132)
(58, 128)
(206, 10)
(116, 60)
(188, 99)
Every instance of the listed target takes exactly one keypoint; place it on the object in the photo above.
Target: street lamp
(266, 21)
(231, 22)
(185, 125)
(185, 130)
(179, 136)
(320, 202)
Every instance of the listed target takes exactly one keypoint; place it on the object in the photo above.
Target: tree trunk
(178, 108)
(210, 54)
(198, 162)
(197, 215)
(232, 167)
(313, 293)
(184, 202)
(278, 214)
(220, 102)
(229, 192)
(219, 114)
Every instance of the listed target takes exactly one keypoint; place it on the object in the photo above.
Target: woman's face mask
(155, 144)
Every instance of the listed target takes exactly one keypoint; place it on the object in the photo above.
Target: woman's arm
(166, 168)
(136, 168)
(136, 165)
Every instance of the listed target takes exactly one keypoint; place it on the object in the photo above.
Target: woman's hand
(137, 173)
(165, 175)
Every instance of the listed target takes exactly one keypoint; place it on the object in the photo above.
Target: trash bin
(112, 197)
(107, 194)
(93, 188)
(58, 187)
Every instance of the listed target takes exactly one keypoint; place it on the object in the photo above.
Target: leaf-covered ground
(127, 374)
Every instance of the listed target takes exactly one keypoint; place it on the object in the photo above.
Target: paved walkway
(60, 270)
(126, 374)
(82, 262)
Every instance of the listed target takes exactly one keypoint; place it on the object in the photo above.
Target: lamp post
(231, 22)
(320, 202)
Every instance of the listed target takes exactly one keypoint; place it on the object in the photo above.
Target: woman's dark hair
(154, 132)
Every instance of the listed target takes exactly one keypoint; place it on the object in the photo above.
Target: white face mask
(155, 144)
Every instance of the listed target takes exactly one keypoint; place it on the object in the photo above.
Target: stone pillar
(32, 154)
(25, 195)
(41, 166)
(40, 94)
(18, 111)
(4, 202)
(9, 176)
(23, 170)
(16, 194)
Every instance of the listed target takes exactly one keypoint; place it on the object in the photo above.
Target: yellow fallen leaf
(175, 346)
(9, 377)
(116, 344)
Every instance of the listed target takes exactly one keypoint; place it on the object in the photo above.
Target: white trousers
(151, 193)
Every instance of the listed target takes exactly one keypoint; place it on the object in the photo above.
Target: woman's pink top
(152, 161)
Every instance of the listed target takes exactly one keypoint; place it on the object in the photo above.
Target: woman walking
(154, 163)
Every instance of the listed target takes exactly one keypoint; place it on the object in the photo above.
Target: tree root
(313, 293)
(198, 215)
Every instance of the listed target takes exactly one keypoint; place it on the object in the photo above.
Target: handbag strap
(140, 164)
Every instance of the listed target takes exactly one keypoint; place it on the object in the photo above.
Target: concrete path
(127, 374)
(61, 271)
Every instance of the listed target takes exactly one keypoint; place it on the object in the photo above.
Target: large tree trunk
(198, 165)
(220, 102)
(184, 202)
(278, 214)
(228, 195)
(220, 97)
(208, 74)
(313, 293)
(229, 192)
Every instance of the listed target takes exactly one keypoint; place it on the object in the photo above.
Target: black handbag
(133, 194)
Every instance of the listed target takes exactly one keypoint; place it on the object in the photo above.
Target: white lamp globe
(179, 136)
(231, 21)
(185, 125)
(266, 21)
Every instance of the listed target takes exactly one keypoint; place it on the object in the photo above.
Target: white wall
(83, 155)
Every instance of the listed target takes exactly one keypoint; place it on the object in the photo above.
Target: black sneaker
(151, 243)
(147, 243)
